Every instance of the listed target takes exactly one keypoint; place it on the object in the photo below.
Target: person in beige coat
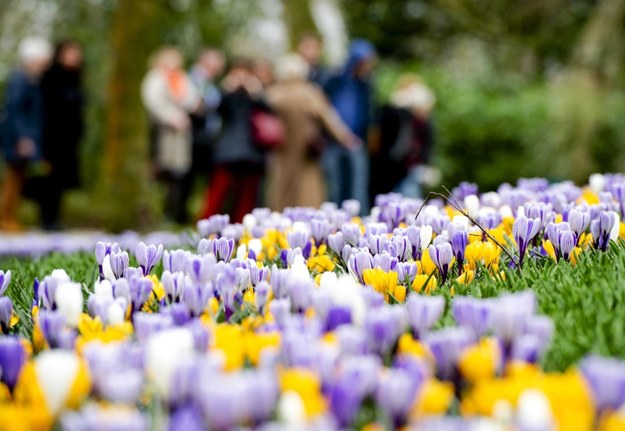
(295, 172)
(169, 97)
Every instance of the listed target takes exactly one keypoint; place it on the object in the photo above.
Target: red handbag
(267, 130)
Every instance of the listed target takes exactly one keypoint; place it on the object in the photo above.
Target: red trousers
(240, 182)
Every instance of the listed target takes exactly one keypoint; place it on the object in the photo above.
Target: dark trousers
(239, 183)
(177, 195)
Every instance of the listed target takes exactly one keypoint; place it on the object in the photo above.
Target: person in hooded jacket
(63, 101)
(351, 93)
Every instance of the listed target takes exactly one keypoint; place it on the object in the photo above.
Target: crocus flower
(196, 296)
(447, 346)
(174, 285)
(459, 243)
(6, 312)
(102, 250)
(148, 256)
(114, 264)
(336, 242)
(384, 327)
(12, 358)
(148, 324)
(423, 312)
(69, 300)
(406, 272)
(358, 262)
(175, 260)
(165, 351)
(473, 313)
(140, 290)
(320, 229)
(601, 229)
(201, 268)
(442, 255)
(523, 231)
(396, 394)
(579, 221)
(351, 233)
(5, 279)
(606, 379)
(56, 334)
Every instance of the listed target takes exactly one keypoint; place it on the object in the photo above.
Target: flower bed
(415, 316)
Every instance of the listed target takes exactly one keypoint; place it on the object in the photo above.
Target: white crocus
(69, 300)
(347, 292)
(291, 410)
(425, 236)
(328, 280)
(60, 275)
(106, 268)
(534, 411)
(241, 252)
(56, 371)
(249, 221)
(505, 211)
(165, 352)
(472, 204)
(596, 183)
(255, 245)
(299, 270)
(462, 220)
(103, 288)
(116, 312)
(616, 229)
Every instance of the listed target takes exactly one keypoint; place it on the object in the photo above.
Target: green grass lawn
(586, 301)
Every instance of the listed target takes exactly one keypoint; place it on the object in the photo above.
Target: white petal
(103, 288)
(69, 300)
(425, 236)
(596, 183)
(256, 245)
(291, 410)
(56, 371)
(241, 252)
(106, 268)
(616, 229)
(165, 351)
(534, 411)
(249, 221)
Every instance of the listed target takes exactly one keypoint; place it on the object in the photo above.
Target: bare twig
(452, 201)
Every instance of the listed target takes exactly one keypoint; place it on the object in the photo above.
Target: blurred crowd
(293, 133)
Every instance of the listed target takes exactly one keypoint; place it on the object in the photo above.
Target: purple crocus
(601, 228)
(473, 313)
(377, 243)
(52, 324)
(336, 242)
(320, 229)
(119, 262)
(196, 296)
(148, 256)
(12, 358)
(103, 249)
(606, 379)
(300, 239)
(459, 243)
(147, 324)
(442, 255)
(406, 272)
(351, 234)
(140, 290)
(174, 285)
(358, 262)
(579, 221)
(5, 279)
(201, 268)
(396, 394)
(384, 326)
(523, 231)
(175, 260)
(6, 311)
(447, 346)
(423, 312)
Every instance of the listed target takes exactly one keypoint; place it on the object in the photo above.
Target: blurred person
(206, 122)
(406, 139)
(351, 93)
(295, 174)
(170, 97)
(238, 162)
(63, 100)
(263, 70)
(311, 50)
(22, 125)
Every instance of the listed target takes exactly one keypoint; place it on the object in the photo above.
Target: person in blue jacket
(22, 124)
(351, 93)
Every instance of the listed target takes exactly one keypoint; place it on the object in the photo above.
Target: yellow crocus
(408, 345)
(381, 281)
(229, 339)
(466, 277)
(307, 386)
(550, 249)
(480, 361)
(419, 283)
(427, 264)
(435, 398)
(255, 344)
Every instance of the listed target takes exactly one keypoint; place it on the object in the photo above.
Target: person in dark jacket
(406, 138)
(350, 92)
(311, 50)
(238, 162)
(22, 125)
(63, 99)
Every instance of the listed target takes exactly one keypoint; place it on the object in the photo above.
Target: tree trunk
(299, 20)
(124, 184)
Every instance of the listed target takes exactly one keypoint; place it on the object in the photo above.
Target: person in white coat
(169, 98)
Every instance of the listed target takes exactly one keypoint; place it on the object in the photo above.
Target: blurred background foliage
(531, 88)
